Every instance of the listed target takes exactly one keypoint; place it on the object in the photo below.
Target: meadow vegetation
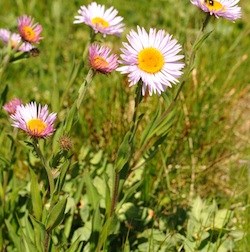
(187, 188)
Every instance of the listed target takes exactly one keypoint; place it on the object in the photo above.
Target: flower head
(101, 59)
(14, 40)
(34, 119)
(65, 142)
(220, 8)
(101, 20)
(12, 105)
(152, 58)
(28, 30)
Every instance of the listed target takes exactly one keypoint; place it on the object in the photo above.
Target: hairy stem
(47, 168)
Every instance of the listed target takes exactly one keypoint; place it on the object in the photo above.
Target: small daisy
(34, 119)
(220, 8)
(11, 106)
(101, 59)
(14, 40)
(101, 20)
(28, 30)
(152, 58)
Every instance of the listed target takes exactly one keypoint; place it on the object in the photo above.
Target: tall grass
(205, 153)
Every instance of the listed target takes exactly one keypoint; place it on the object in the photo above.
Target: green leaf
(124, 152)
(128, 194)
(82, 233)
(4, 95)
(107, 195)
(108, 227)
(35, 195)
(29, 245)
(39, 231)
(70, 119)
(126, 246)
(201, 40)
(221, 218)
(97, 158)
(150, 127)
(56, 216)
(97, 221)
(75, 246)
(13, 235)
(63, 172)
(197, 207)
(92, 193)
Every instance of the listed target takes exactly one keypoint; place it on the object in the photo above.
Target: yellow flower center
(99, 62)
(213, 5)
(36, 126)
(100, 22)
(150, 60)
(28, 34)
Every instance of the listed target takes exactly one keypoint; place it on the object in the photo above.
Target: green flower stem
(138, 100)
(46, 241)
(84, 86)
(190, 65)
(91, 40)
(196, 42)
(47, 168)
(115, 193)
(70, 119)
(121, 176)
(90, 74)
(7, 58)
(83, 60)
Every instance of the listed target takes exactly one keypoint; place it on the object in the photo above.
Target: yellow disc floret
(28, 34)
(100, 22)
(213, 5)
(36, 126)
(99, 62)
(150, 60)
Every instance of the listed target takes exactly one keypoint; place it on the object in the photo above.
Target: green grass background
(212, 120)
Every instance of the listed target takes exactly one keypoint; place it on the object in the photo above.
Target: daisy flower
(11, 106)
(34, 119)
(101, 20)
(14, 40)
(28, 30)
(101, 59)
(220, 8)
(152, 58)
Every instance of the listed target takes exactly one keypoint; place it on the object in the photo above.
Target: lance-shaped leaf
(35, 195)
(124, 152)
(56, 215)
(92, 193)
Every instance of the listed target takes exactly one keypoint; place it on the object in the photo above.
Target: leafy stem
(45, 165)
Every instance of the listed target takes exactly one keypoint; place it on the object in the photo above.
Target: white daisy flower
(101, 20)
(14, 40)
(101, 59)
(220, 8)
(34, 119)
(152, 58)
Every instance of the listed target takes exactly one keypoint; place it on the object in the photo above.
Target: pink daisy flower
(28, 30)
(101, 20)
(220, 8)
(101, 59)
(34, 119)
(14, 40)
(11, 106)
(152, 58)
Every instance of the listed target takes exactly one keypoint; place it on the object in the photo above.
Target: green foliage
(167, 173)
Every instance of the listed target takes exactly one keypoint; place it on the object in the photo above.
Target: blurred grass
(208, 150)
